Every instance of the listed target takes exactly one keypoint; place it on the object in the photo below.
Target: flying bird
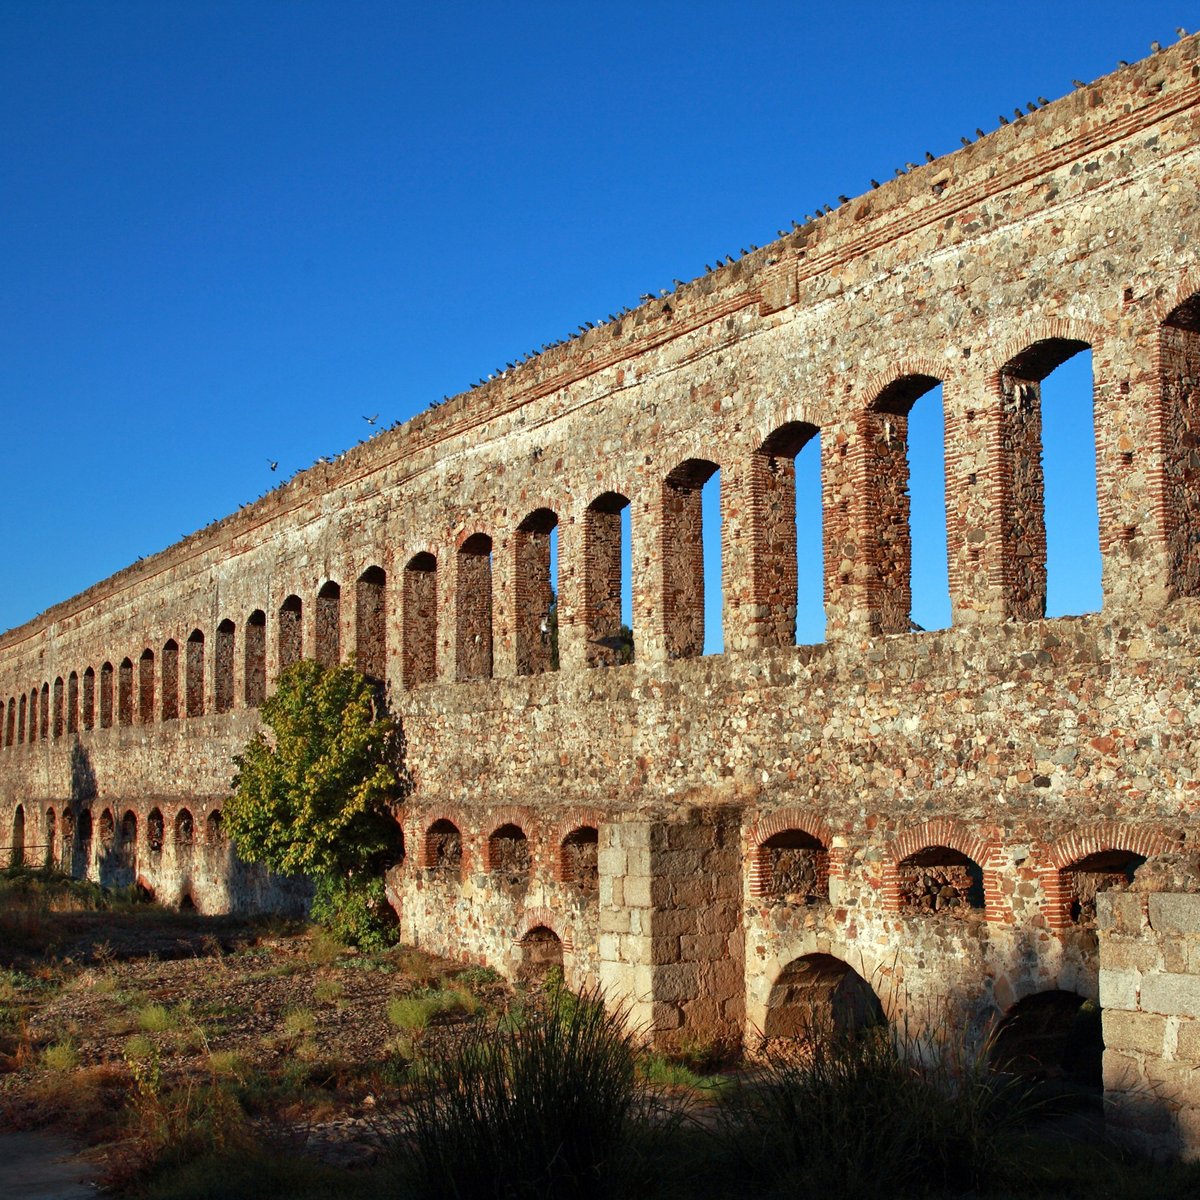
(274, 463)
(371, 420)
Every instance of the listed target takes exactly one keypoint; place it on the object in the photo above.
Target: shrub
(297, 1021)
(545, 1109)
(414, 1012)
(355, 911)
(61, 1056)
(155, 1018)
(325, 991)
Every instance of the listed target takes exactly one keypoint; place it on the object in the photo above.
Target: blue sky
(230, 231)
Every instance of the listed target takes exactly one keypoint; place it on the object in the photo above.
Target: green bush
(355, 912)
(546, 1109)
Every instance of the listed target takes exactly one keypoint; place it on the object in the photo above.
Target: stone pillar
(1150, 997)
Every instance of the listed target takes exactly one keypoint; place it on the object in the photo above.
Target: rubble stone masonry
(937, 811)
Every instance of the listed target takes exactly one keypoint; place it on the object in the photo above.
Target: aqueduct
(985, 811)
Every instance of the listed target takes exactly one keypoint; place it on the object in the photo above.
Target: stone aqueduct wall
(694, 824)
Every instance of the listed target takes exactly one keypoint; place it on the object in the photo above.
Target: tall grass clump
(879, 1112)
(544, 1109)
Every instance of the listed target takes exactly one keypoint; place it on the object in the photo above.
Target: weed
(660, 1071)
(297, 1021)
(324, 949)
(477, 977)
(326, 991)
(139, 1047)
(61, 1056)
(416, 1011)
(227, 1064)
(156, 1018)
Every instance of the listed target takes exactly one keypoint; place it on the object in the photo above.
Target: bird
(979, 133)
(371, 420)
(1031, 106)
(929, 156)
(679, 282)
(899, 170)
(1122, 63)
(875, 183)
(1043, 101)
(1017, 113)
(1181, 32)
(966, 141)
(1003, 119)
(910, 166)
(274, 463)
(843, 199)
(1155, 47)
(1078, 83)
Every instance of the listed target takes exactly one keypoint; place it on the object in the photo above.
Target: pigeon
(1078, 83)
(371, 420)
(929, 156)
(966, 141)
(1155, 47)
(875, 183)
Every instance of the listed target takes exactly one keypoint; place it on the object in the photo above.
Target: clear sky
(230, 231)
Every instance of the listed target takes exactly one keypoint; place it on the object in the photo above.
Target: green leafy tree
(315, 796)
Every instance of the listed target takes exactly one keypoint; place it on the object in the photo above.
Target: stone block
(1127, 955)
(1187, 1041)
(1171, 994)
(1175, 912)
(636, 890)
(1119, 989)
(1122, 1072)
(1140, 1032)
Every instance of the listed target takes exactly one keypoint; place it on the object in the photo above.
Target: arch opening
(691, 559)
(817, 996)
(170, 680)
(370, 624)
(146, 688)
(106, 695)
(536, 593)
(154, 832)
(59, 725)
(943, 881)
(50, 860)
(473, 605)
(509, 858)
(329, 625)
(541, 953)
(793, 869)
(127, 850)
(1053, 1035)
(420, 621)
(194, 675)
(223, 658)
(291, 632)
(443, 848)
(44, 713)
(255, 664)
(89, 698)
(1099, 872)
(16, 855)
(580, 863)
(125, 692)
(607, 602)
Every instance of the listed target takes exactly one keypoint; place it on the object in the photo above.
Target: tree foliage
(314, 797)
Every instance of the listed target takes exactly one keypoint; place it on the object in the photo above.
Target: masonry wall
(1008, 746)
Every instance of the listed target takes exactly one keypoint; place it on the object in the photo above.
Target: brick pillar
(845, 609)
(572, 643)
(738, 526)
(969, 519)
(887, 538)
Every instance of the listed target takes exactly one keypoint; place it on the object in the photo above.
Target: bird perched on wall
(1078, 83)
(1043, 101)
(966, 141)
(1182, 32)
(1122, 63)
(843, 199)
(1003, 119)
(1029, 104)
(929, 156)
(1155, 47)
(875, 183)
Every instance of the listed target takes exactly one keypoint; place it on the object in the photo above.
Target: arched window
(44, 713)
(214, 831)
(607, 614)
(818, 996)
(941, 880)
(125, 692)
(89, 698)
(1055, 1035)
(904, 438)
(17, 854)
(85, 837)
(146, 688)
(60, 716)
(579, 862)
(473, 622)
(508, 857)
(1179, 383)
(24, 710)
(127, 851)
(106, 827)
(535, 594)
(1049, 510)
(154, 832)
(223, 666)
(185, 834)
(420, 621)
(73, 702)
(291, 632)
(370, 624)
(1094, 874)
(541, 953)
(170, 681)
(329, 625)
(785, 487)
(106, 695)
(194, 672)
(443, 848)
(791, 868)
(10, 738)
(256, 658)
(691, 557)
(51, 857)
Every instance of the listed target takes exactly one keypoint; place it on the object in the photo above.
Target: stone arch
(155, 833)
(1015, 380)
(578, 842)
(790, 857)
(682, 609)
(370, 624)
(507, 856)
(819, 995)
(67, 846)
(535, 594)
(16, 855)
(1104, 851)
(290, 647)
(194, 675)
(951, 848)
(442, 848)
(254, 682)
(170, 680)
(224, 650)
(607, 641)
(883, 519)
(146, 687)
(328, 648)
(775, 567)
(537, 917)
(1051, 1035)
(85, 835)
(420, 600)
(24, 711)
(106, 829)
(214, 829)
(473, 608)
(185, 832)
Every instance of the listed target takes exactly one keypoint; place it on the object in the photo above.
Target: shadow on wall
(83, 777)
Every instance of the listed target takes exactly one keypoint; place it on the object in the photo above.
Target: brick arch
(879, 381)
(424, 823)
(955, 835)
(571, 820)
(1060, 856)
(1187, 284)
(802, 819)
(520, 816)
(531, 918)
(1043, 329)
